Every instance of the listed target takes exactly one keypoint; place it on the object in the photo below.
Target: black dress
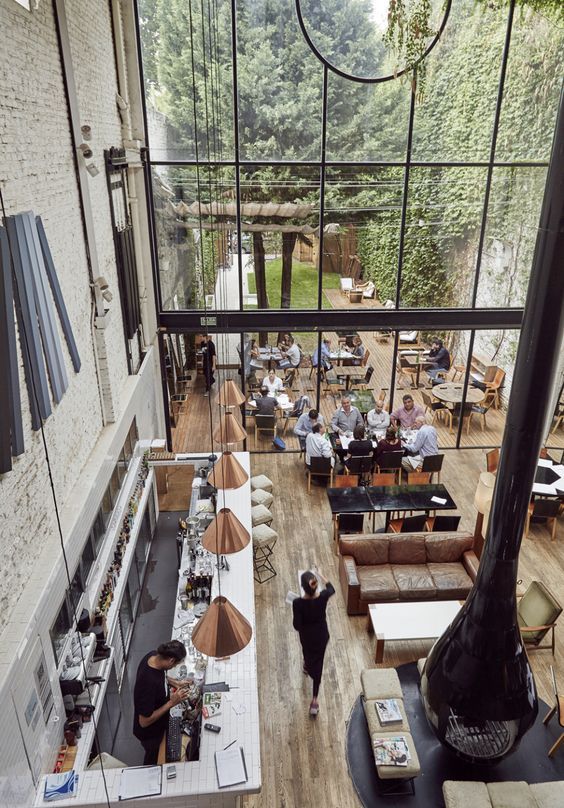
(311, 624)
(208, 353)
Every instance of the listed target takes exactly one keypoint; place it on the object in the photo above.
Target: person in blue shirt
(325, 356)
(305, 424)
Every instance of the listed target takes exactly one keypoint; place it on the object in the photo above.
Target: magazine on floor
(388, 711)
(392, 751)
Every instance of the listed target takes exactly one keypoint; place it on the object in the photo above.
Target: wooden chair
(537, 613)
(558, 708)
(391, 461)
(418, 478)
(481, 409)
(546, 509)
(365, 358)
(406, 370)
(346, 523)
(433, 464)
(361, 382)
(345, 481)
(411, 524)
(361, 465)
(333, 384)
(386, 478)
(492, 460)
(436, 524)
(319, 467)
(558, 417)
(432, 406)
(494, 386)
(265, 423)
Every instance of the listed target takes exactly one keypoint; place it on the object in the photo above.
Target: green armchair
(537, 613)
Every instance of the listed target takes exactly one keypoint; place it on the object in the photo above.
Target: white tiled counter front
(195, 785)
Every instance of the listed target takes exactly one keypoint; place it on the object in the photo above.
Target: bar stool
(260, 497)
(264, 539)
(260, 515)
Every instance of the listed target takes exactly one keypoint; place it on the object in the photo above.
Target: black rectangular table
(388, 498)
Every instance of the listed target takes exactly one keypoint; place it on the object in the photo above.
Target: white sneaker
(206, 394)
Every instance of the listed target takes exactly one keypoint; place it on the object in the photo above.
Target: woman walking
(311, 624)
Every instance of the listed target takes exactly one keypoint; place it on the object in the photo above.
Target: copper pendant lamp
(229, 430)
(222, 631)
(225, 534)
(230, 395)
(227, 472)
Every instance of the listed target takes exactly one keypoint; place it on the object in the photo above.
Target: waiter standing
(209, 361)
(151, 704)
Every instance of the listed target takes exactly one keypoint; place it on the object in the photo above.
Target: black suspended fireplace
(477, 685)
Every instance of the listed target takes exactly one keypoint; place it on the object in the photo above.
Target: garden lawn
(304, 284)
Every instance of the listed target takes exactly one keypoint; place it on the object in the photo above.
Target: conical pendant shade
(230, 395)
(227, 472)
(225, 534)
(229, 430)
(222, 631)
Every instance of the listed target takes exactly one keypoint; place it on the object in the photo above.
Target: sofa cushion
(374, 725)
(445, 547)
(413, 767)
(511, 795)
(414, 582)
(408, 548)
(366, 549)
(377, 583)
(548, 795)
(461, 794)
(380, 683)
(451, 580)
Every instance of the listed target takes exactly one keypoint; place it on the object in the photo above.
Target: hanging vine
(408, 35)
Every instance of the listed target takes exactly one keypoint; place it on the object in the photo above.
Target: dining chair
(537, 613)
(481, 409)
(360, 465)
(391, 461)
(558, 417)
(492, 460)
(361, 381)
(265, 423)
(435, 524)
(433, 464)
(406, 370)
(418, 477)
(558, 708)
(409, 524)
(494, 386)
(434, 407)
(333, 384)
(546, 509)
(319, 467)
(387, 478)
(345, 481)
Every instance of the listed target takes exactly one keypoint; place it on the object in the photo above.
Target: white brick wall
(37, 172)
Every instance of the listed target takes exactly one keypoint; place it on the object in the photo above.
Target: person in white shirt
(424, 444)
(291, 357)
(273, 383)
(317, 445)
(305, 423)
(378, 418)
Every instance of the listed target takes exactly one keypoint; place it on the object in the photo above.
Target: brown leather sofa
(388, 567)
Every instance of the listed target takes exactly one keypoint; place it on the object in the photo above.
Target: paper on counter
(140, 781)
(438, 500)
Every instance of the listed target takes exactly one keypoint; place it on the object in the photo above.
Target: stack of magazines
(388, 711)
(392, 751)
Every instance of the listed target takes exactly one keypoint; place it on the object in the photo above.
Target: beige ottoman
(380, 683)
(261, 497)
(460, 794)
(549, 795)
(261, 481)
(260, 515)
(413, 767)
(515, 794)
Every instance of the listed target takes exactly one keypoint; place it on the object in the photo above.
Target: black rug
(530, 763)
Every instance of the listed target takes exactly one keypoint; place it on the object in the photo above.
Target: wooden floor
(303, 761)
(192, 432)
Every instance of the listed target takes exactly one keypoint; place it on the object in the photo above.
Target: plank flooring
(303, 761)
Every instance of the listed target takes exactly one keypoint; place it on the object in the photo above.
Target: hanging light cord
(23, 332)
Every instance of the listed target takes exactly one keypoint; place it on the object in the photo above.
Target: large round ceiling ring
(371, 79)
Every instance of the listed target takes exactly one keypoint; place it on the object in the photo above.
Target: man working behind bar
(150, 701)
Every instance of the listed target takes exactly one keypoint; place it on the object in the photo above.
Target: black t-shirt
(149, 694)
(360, 448)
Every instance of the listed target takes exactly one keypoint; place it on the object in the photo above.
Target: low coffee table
(417, 620)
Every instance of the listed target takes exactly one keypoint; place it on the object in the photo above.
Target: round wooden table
(451, 393)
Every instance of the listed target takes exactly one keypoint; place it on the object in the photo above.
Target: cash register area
(181, 579)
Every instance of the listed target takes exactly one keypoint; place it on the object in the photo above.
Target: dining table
(415, 360)
(387, 499)
(340, 356)
(451, 393)
(270, 355)
(363, 400)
